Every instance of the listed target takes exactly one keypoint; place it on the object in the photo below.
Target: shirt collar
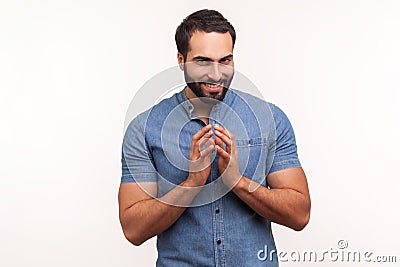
(185, 103)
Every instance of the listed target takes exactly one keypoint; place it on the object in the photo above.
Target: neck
(201, 108)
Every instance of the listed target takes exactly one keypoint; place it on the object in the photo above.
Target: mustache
(221, 81)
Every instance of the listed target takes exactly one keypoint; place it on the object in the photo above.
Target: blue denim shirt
(219, 229)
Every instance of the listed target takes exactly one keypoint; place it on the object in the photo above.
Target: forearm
(150, 217)
(143, 216)
(283, 206)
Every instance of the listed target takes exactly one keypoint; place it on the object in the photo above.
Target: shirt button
(219, 242)
(217, 211)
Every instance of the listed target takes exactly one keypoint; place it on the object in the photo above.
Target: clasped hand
(225, 146)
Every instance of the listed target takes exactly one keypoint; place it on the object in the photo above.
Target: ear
(181, 60)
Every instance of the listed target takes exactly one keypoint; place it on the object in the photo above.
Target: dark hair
(203, 20)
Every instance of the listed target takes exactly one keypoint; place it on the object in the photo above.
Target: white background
(69, 69)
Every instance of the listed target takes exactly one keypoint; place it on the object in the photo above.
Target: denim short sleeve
(137, 164)
(285, 145)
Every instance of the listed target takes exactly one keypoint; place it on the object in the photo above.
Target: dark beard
(196, 89)
(195, 86)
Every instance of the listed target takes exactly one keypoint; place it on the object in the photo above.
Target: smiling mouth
(213, 87)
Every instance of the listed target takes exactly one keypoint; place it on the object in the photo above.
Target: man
(216, 208)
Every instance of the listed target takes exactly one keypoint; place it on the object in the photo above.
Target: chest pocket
(258, 141)
(253, 158)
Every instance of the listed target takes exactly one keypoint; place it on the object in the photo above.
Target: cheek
(196, 73)
(227, 70)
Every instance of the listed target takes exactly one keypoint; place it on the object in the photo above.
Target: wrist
(235, 182)
(191, 181)
(240, 184)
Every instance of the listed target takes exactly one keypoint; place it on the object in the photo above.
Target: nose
(215, 73)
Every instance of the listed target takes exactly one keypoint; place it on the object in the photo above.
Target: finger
(218, 141)
(225, 139)
(200, 133)
(221, 129)
(196, 145)
(206, 143)
(204, 140)
(226, 132)
(203, 161)
(222, 153)
(230, 135)
(207, 151)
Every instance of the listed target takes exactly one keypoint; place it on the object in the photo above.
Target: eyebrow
(230, 56)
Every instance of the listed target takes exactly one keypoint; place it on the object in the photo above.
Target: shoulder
(154, 115)
(278, 114)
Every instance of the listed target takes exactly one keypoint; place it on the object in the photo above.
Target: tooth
(212, 85)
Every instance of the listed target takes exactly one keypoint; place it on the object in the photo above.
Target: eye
(203, 62)
(225, 61)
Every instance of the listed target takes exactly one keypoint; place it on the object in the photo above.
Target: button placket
(218, 224)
